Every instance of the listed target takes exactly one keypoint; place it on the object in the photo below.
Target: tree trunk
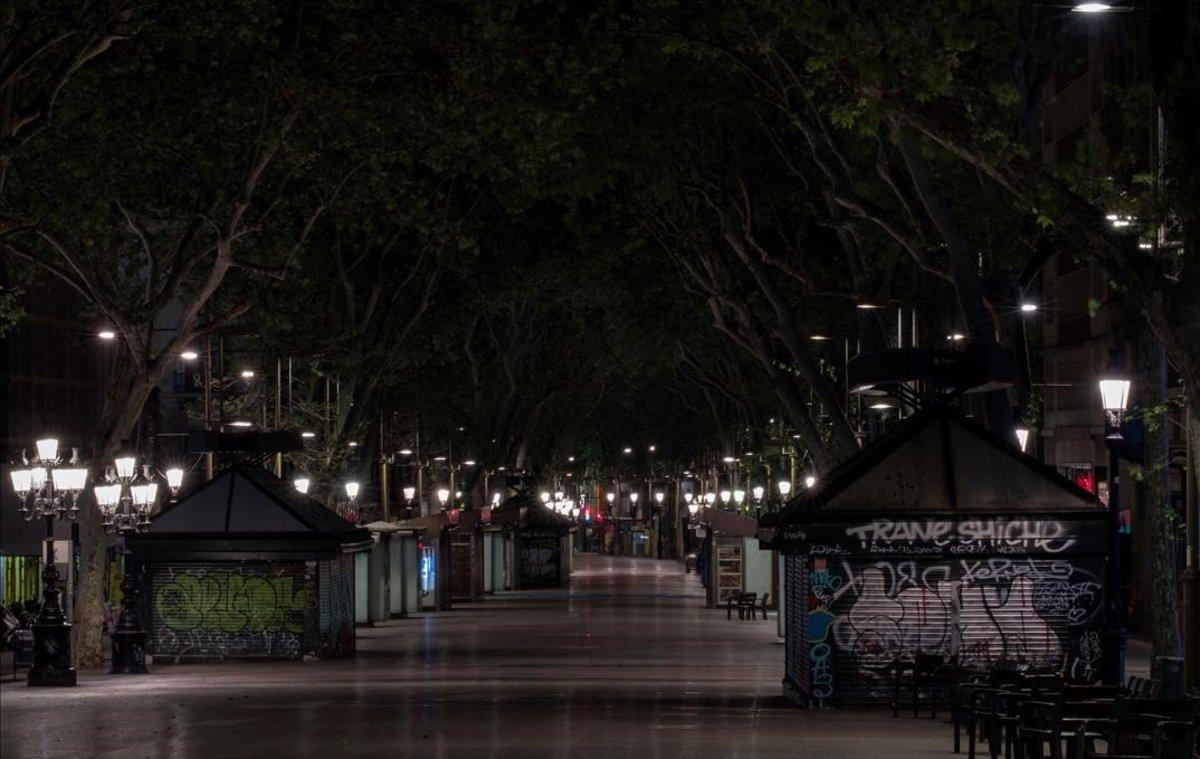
(1161, 526)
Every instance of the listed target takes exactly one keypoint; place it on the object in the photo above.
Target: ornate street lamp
(785, 487)
(352, 489)
(50, 490)
(757, 491)
(126, 502)
(1114, 398)
(443, 496)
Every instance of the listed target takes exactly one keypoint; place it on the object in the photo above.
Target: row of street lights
(50, 488)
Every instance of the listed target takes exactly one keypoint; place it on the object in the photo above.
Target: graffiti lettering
(231, 602)
(875, 612)
(969, 536)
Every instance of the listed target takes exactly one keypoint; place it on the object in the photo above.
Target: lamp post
(1114, 397)
(50, 490)
(126, 502)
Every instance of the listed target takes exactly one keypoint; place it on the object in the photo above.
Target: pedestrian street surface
(627, 662)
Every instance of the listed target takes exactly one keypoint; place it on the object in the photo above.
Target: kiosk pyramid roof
(938, 460)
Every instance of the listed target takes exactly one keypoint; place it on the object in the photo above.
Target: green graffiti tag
(232, 602)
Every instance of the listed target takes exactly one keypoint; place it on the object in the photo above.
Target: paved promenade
(628, 662)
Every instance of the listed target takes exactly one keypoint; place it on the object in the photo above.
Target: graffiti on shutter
(865, 613)
(222, 610)
(539, 560)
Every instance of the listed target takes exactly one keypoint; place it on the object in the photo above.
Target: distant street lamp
(51, 491)
(443, 496)
(739, 497)
(784, 487)
(725, 496)
(302, 484)
(1114, 398)
(352, 489)
(758, 491)
(809, 481)
(1022, 437)
(710, 498)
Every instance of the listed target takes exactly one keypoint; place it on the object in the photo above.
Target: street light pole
(49, 490)
(1114, 397)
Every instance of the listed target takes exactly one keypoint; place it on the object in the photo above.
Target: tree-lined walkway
(628, 662)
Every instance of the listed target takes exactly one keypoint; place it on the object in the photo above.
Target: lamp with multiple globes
(126, 501)
(49, 489)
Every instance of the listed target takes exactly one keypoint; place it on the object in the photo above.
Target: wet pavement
(627, 662)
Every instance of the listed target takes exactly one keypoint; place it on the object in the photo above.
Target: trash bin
(1168, 670)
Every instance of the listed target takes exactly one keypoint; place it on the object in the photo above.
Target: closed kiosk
(246, 567)
(541, 542)
(940, 539)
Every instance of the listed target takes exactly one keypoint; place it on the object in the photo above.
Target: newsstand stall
(389, 587)
(938, 539)
(246, 567)
(466, 554)
(433, 560)
(734, 562)
(541, 540)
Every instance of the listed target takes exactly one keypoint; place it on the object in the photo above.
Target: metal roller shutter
(978, 609)
(232, 610)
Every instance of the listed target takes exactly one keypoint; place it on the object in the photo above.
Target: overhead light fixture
(306, 434)
(729, 459)
(247, 374)
(570, 458)
(956, 337)
(652, 448)
(106, 334)
(241, 423)
(405, 451)
(628, 451)
(1145, 245)
(880, 406)
(1022, 437)
(866, 306)
(1029, 308)
(353, 444)
(1092, 8)
(189, 355)
(818, 337)
(469, 462)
